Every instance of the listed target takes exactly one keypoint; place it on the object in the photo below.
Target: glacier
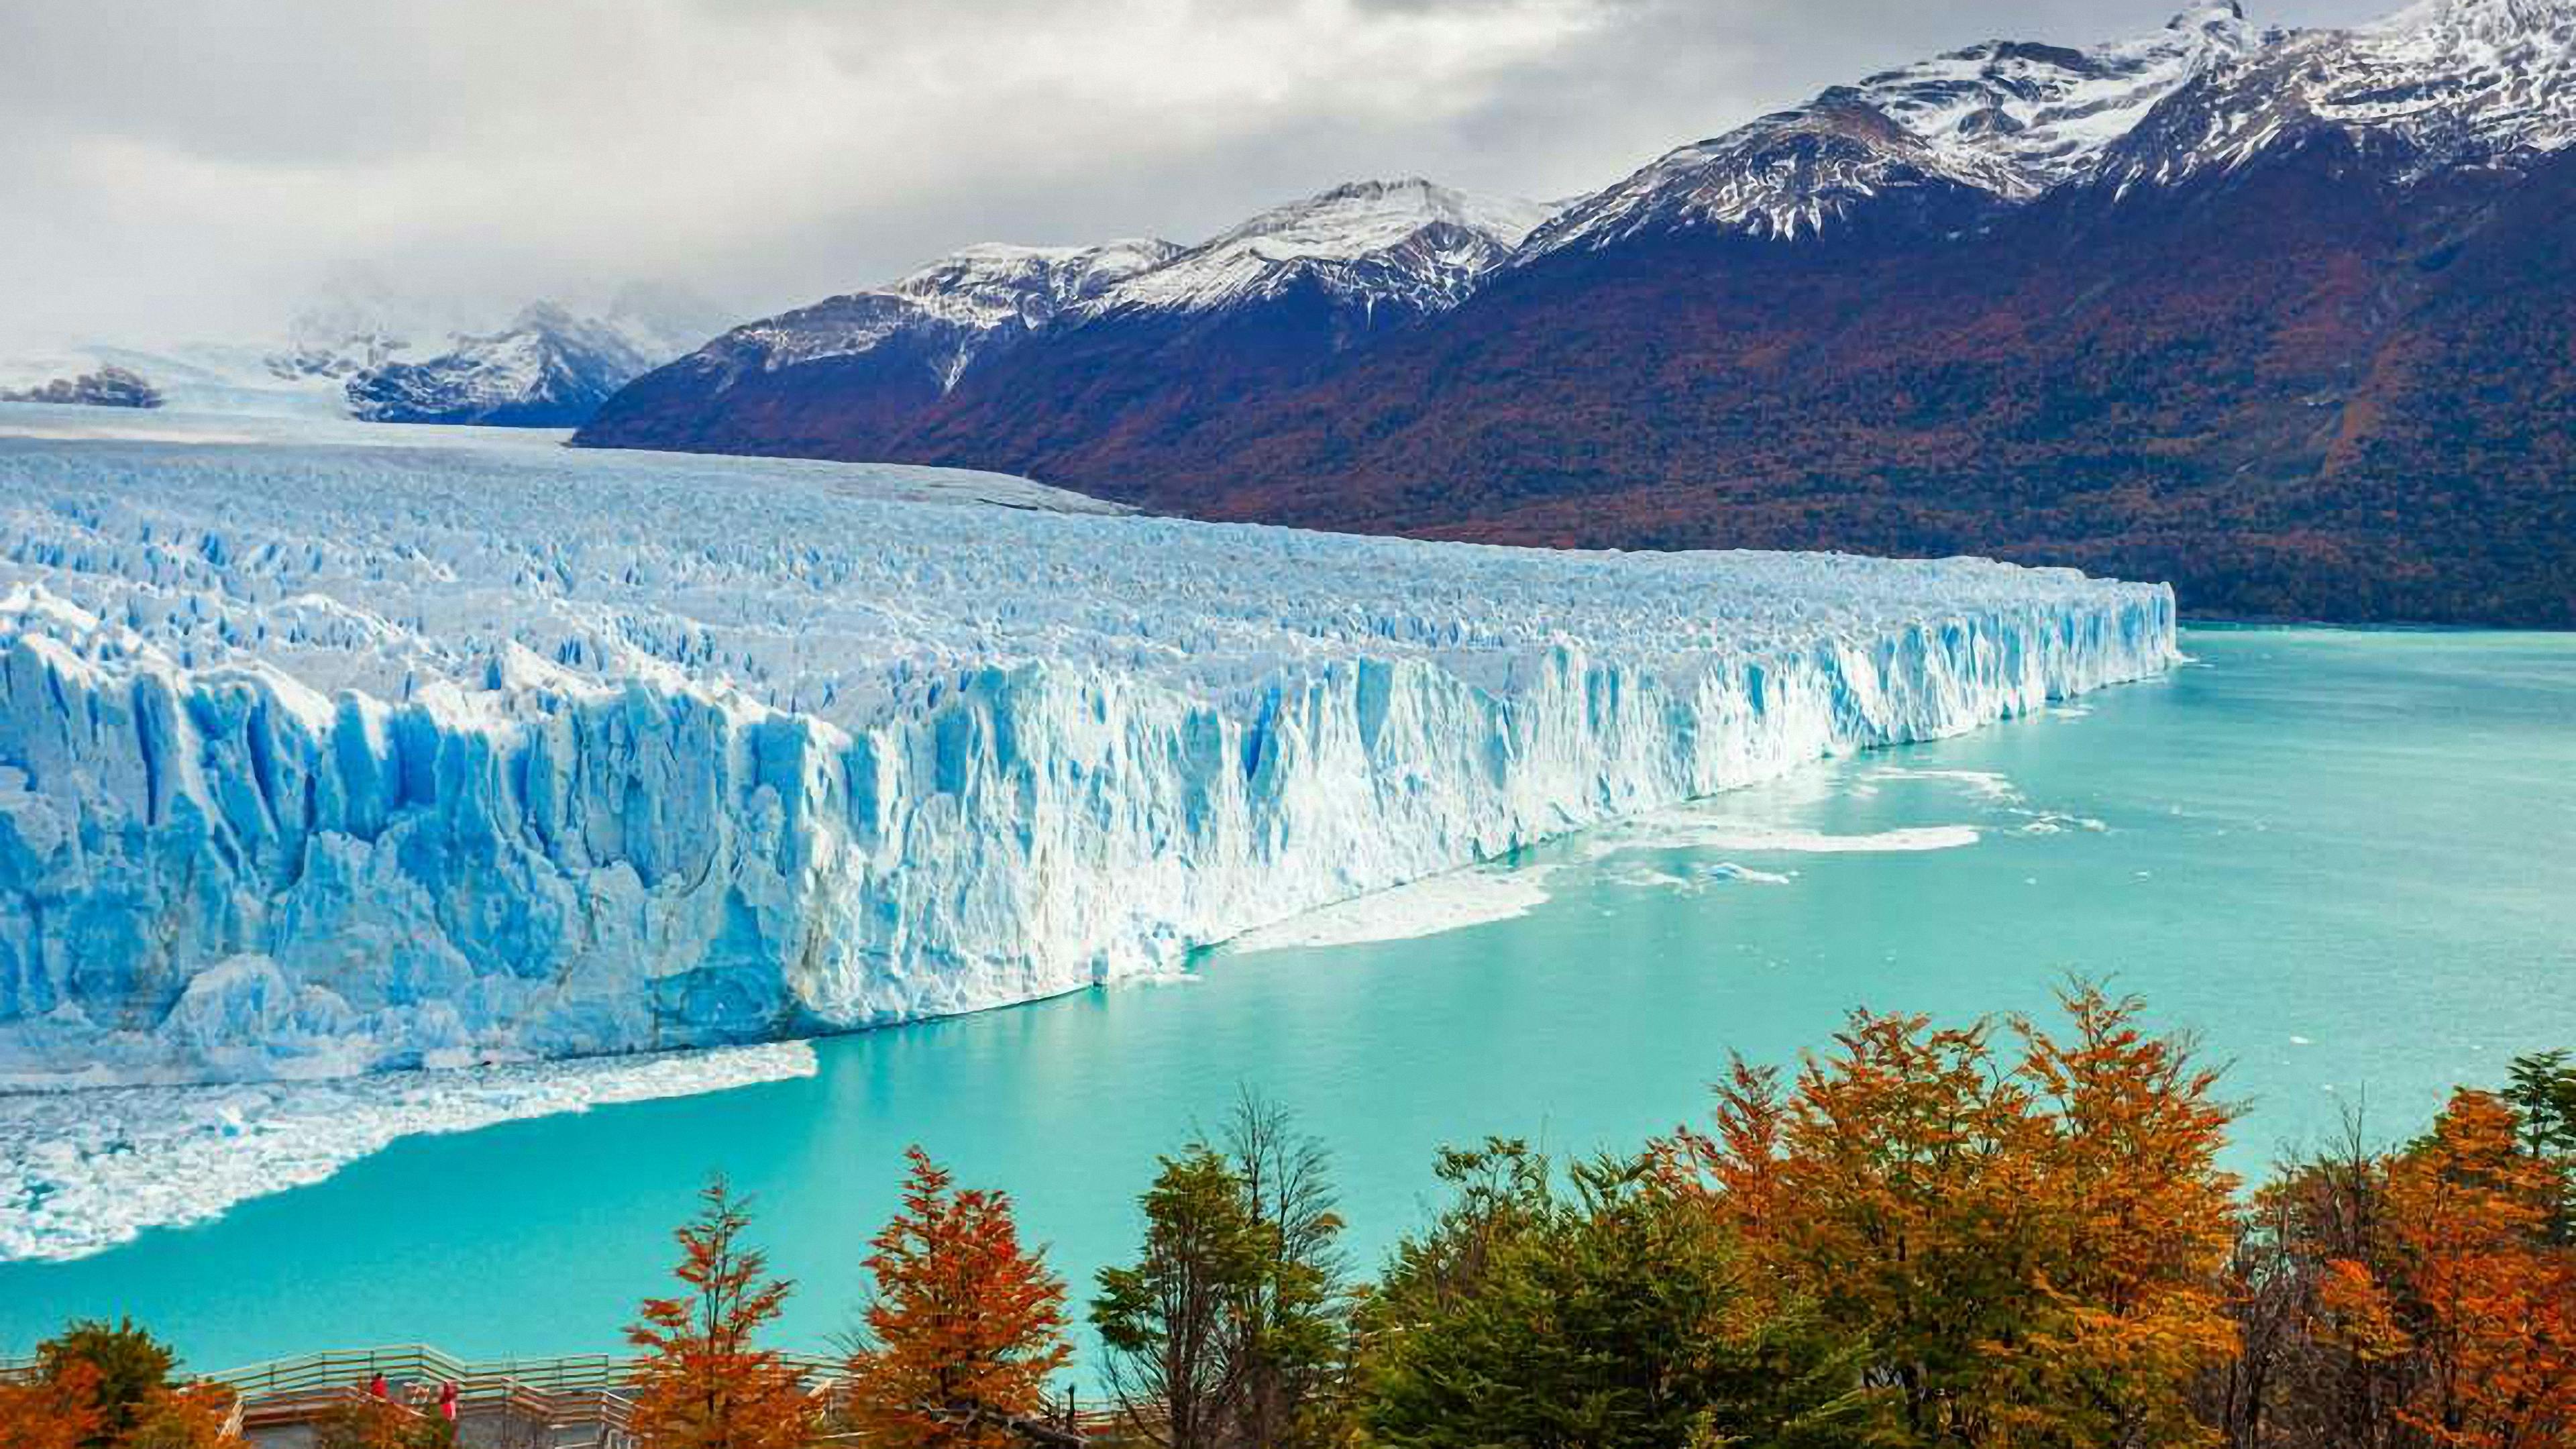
(323, 753)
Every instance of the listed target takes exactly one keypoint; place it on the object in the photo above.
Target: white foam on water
(1680, 831)
(1729, 870)
(1425, 908)
(2049, 823)
(1989, 785)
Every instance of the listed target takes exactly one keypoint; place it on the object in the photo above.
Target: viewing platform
(584, 1401)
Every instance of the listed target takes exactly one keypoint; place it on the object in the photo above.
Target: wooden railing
(570, 1396)
(593, 1392)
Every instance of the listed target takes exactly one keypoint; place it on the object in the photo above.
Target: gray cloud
(196, 167)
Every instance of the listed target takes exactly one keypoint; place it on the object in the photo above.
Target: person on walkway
(447, 1401)
(377, 1387)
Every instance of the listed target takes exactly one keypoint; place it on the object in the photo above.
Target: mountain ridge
(2277, 316)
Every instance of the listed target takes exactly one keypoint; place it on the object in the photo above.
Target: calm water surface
(2347, 861)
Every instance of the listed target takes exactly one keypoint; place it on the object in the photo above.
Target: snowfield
(320, 757)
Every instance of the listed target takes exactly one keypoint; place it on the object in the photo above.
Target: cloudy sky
(196, 168)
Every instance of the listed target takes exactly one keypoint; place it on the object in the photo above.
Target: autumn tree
(964, 1327)
(51, 1409)
(132, 1370)
(197, 1416)
(2137, 1229)
(2465, 1285)
(368, 1422)
(99, 1385)
(2027, 1231)
(2288, 1386)
(703, 1383)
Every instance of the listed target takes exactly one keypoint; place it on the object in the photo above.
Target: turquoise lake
(2346, 861)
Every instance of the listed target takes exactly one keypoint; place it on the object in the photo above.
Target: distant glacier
(320, 756)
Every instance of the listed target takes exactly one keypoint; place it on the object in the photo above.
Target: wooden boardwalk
(552, 1403)
(578, 1402)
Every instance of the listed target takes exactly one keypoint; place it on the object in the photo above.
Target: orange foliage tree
(51, 1411)
(100, 1385)
(195, 1417)
(703, 1383)
(368, 1422)
(2465, 1288)
(2029, 1243)
(965, 1326)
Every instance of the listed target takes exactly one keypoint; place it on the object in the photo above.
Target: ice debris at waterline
(318, 757)
(81, 1172)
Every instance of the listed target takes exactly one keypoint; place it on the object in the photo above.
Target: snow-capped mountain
(1405, 244)
(548, 368)
(942, 317)
(1400, 246)
(358, 318)
(2443, 83)
(1284, 290)
(363, 348)
(2288, 317)
(107, 386)
(2000, 122)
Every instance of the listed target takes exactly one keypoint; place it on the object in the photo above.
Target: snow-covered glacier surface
(321, 756)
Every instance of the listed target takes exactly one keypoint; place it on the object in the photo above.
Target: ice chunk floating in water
(81, 1172)
(319, 757)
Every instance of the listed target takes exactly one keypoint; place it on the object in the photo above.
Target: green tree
(1171, 1322)
(1502, 1191)
(2542, 1091)
(1290, 1334)
(1617, 1316)
(1233, 1328)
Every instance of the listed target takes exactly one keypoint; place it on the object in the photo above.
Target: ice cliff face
(320, 758)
